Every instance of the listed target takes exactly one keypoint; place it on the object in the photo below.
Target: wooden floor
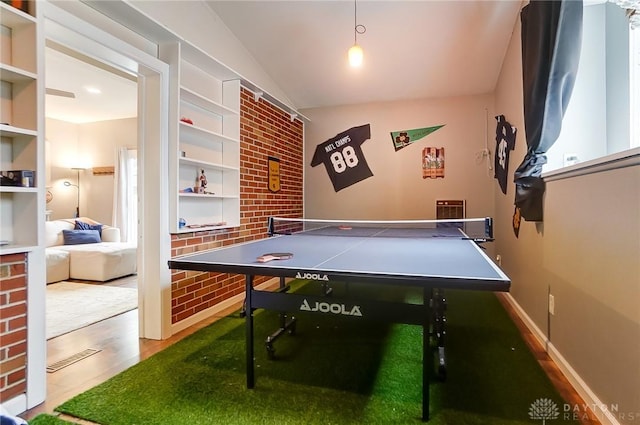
(117, 338)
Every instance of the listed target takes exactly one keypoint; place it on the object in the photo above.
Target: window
(603, 115)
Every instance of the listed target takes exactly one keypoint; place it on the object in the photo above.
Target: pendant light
(356, 54)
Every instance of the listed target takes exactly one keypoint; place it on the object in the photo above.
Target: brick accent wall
(265, 130)
(13, 325)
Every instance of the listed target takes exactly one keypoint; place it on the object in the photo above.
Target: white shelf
(14, 132)
(202, 229)
(198, 134)
(18, 189)
(206, 92)
(14, 18)
(208, 165)
(14, 74)
(15, 249)
(206, 195)
(205, 103)
(21, 138)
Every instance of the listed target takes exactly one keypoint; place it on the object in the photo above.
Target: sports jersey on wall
(343, 158)
(505, 142)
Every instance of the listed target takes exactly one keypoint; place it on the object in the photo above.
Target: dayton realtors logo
(543, 409)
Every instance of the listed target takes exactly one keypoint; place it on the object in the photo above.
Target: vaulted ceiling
(413, 49)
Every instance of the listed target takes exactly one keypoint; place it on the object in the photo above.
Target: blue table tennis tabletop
(433, 259)
(425, 257)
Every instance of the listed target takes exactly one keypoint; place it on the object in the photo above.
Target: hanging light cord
(358, 29)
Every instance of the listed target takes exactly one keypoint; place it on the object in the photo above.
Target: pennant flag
(404, 138)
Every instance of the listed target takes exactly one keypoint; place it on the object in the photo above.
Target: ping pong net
(476, 229)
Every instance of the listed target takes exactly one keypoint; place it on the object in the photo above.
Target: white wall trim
(221, 306)
(16, 405)
(592, 402)
(627, 158)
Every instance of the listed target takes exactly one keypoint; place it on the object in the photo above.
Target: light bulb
(355, 56)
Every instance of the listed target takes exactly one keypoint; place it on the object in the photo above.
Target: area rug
(72, 306)
(332, 371)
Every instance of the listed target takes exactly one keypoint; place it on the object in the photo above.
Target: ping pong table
(432, 255)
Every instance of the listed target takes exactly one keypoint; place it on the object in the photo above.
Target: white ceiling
(413, 49)
(68, 72)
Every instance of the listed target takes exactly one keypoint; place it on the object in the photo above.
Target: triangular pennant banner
(406, 137)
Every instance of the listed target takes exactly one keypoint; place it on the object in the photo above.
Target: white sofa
(102, 261)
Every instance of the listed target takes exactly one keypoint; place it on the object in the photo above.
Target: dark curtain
(551, 42)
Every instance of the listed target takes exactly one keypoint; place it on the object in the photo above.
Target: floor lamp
(77, 186)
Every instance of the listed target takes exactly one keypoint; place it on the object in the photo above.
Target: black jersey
(343, 158)
(505, 142)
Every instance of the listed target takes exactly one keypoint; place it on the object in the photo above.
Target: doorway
(152, 75)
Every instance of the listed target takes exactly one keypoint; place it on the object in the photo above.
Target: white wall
(586, 253)
(96, 144)
(397, 189)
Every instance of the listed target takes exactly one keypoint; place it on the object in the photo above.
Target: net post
(270, 226)
(488, 227)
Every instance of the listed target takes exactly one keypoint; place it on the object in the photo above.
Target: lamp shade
(355, 56)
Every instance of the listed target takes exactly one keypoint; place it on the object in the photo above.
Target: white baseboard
(591, 401)
(15, 406)
(221, 306)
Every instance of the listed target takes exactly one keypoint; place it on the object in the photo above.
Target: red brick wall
(13, 325)
(265, 131)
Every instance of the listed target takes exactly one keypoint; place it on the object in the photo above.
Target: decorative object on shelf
(18, 4)
(199, 226)
(181, 223)
(20, 178)
(356, 54)
(202, 182)
(274, 174)
(49, 196)
(186, 120)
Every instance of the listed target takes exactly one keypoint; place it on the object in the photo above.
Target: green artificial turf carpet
(45, 419)
(332, 371)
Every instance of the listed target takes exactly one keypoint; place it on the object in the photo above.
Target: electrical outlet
(552, 305)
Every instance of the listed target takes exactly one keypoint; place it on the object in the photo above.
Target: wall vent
(450, 209)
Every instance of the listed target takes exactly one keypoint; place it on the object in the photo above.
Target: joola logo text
(311, 276)
(331, 308)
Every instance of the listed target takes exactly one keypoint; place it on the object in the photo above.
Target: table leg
(249, 331)
(427, 353)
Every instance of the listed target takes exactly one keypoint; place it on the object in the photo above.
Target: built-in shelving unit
(20, 135)
(206, 140)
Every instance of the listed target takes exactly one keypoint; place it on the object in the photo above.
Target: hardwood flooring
(117, 338)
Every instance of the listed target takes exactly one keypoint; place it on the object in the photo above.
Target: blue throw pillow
(77, 237)
(81, 225)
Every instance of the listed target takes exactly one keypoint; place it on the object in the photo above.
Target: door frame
(154, 240)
